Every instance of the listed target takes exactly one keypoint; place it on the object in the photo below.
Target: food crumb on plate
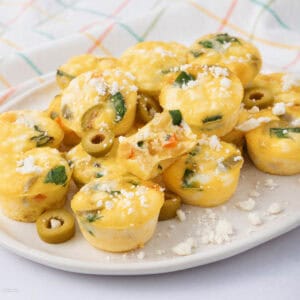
(255, 219)
(181, 215)
(184, 248)
(275, 208)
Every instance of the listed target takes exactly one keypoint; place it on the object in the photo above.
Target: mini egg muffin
(96, 98)
(248, 120)
(156, 145)
(80, 64)
(280, 87)
(24, 130)
(33, 182)
(275, 147)
(118, 214)
(53, 112)
(209, 97)
(150, 61)
(206, 176)
(241, 57)
(86, 167)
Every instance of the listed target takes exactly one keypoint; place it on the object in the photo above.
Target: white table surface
(270, 271)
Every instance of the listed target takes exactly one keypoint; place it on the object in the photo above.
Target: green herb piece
(140, 144)
(134, 183)
(67, 113)
(57, 176)
(166, 71)
(119, 105)
(183, 78)
(196, 53)
(176, 116)
(159, 167)
(194, 151)
(212, 119)
(206, 44)
(114, 192)
(225, 38)
(91, 232)
(231, 161)
(99, 175)
(41, 139)
(92, 217)
(186, 179)
(62, 73)
(53, 115)
(283, 133)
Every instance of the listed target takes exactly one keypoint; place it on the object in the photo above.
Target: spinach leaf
(183, 78)
(119, 105)
(57, 176)
(176, 116)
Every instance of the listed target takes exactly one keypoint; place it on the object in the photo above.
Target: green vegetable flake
(283, 133)
(226, 38)
(99, 175)
(212, 119)
(140, 144)
(62, 73)
(57, 176)
(196, 53)
(186, 179)
(42, 138)
(92, 217)
(176, 116)
(119, 105)
(183, 78)
(207, 44)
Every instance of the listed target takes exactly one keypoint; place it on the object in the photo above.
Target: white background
(270, 271)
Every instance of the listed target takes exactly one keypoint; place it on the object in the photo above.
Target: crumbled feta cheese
(99, 203)
(278, 109)
(252, 123)
(223, 231)
(27, 166)
(109, 205)
(289, 80)
(141, 255)
(181, 215)
(130, 211)
(270, 183)
(255, 219)
(164, 52)
(214, 143)
(295, 123)
(133, 88)
(21, 120)
(184, 248)
(99, 84)
(54, 223)
(238, 158)
(130, 75)
(217, 71)
(225, 82)
(254, 194)
(114, 88)
(246, 205)
(275, 208)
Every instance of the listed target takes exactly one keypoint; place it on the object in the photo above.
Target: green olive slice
(171, 205)
(147, 107)
(55, 226)
(98, 142)
(90, 115)
(258, 96)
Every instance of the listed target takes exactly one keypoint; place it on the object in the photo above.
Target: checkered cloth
(39, 35)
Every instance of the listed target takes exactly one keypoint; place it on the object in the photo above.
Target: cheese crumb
(289, 80)
(27, 166)
(270, 183)
(99, 84)
(223, 231)
(225, 82)
(252, 123)
(279, 109)
(181, 215)
(254, 194)
(184, 248)
(275, 208)
(246, 205)
(141, 255)
(253, 110)
(214, 143)
(255, 219)
(54, 223)
(109, 205)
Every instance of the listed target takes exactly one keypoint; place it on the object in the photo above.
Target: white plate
(78, 256)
